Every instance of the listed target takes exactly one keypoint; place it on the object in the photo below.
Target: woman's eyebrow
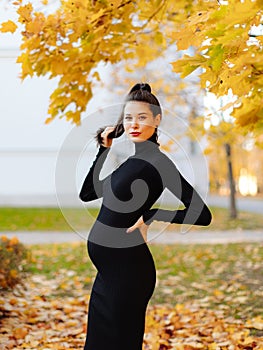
(128, 114)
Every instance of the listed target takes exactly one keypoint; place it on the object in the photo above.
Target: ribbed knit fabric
(126, 274)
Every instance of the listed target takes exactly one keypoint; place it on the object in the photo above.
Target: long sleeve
(195, 212)
(92, 185)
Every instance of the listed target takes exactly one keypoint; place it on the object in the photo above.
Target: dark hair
(141, 92)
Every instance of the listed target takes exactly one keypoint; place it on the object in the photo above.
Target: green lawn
(228, 277)
(52, 219)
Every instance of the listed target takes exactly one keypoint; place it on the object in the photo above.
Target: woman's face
(138, 121)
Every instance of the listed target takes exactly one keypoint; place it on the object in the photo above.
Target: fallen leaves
(206, 300)
(228, 277)
(191, 327)
(255, 322)
(36, 320)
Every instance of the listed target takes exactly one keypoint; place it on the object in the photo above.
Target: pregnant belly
(130, 268)
(114, 237)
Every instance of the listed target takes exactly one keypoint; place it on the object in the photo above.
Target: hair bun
(141, 86)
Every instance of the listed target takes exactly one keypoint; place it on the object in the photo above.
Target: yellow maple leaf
(25, 13)
(183, 38)
(36, 25)
(13, 273)
(57, 65)
(8, 26)
(26, 65)
(20, 333)
(256, 322)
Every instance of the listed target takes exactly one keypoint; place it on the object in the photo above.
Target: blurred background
(225, 170)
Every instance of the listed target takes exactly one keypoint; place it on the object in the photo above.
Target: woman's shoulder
(164, 159)
(162, 163)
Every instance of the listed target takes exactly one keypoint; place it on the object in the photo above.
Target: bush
(13, 256)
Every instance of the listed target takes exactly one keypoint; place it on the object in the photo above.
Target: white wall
(28, 146)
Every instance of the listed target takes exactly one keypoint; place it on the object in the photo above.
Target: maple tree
(70, 43)
(229, 53)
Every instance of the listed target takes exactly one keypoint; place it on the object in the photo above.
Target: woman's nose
(134, 122)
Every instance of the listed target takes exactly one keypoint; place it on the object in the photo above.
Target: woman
(117, 246)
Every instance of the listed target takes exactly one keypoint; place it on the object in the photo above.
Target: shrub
(13, 256)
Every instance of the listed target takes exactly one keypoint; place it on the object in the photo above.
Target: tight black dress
(126, 274)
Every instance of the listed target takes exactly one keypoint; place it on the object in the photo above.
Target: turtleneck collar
(148, 145)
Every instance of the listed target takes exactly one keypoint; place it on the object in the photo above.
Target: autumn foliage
(72, 41)
(13, 254)
(228, 40)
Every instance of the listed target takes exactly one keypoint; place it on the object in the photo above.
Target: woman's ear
(157, 120)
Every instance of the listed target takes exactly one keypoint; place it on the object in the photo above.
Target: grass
(229, 277)
(46, 219)
(52, 219)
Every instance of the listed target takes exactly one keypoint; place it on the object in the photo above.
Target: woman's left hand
(141, 226)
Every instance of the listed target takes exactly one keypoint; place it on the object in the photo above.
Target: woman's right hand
(106, 142)
(141, 226)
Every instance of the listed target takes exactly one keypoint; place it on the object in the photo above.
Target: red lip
(135, 133)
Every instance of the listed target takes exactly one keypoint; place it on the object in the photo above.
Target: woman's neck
(148, 145)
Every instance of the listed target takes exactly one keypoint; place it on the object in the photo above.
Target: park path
(251, 204)
(167, 237)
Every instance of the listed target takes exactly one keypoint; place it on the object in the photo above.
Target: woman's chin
(136, 139)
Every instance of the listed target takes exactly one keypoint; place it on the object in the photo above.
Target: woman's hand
(106, 142)
(141, 226)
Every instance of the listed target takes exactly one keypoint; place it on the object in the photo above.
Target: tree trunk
(233, 209)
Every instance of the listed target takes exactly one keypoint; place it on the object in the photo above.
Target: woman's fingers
(141, 226)
(138, 224)
(106, 142)
(107, 130)
(143, 230)
(132, 228)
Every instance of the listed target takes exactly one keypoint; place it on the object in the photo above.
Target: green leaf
(216, 54)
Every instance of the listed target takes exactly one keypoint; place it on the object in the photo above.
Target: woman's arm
(196, 211)
(92, 185)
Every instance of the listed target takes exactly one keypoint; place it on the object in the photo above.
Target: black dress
(126, 274)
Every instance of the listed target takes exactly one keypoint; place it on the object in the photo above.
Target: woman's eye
(128, 118)
(142, 117)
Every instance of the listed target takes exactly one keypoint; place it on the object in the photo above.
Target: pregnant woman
(117, 243)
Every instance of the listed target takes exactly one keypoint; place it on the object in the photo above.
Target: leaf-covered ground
(206, 297)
